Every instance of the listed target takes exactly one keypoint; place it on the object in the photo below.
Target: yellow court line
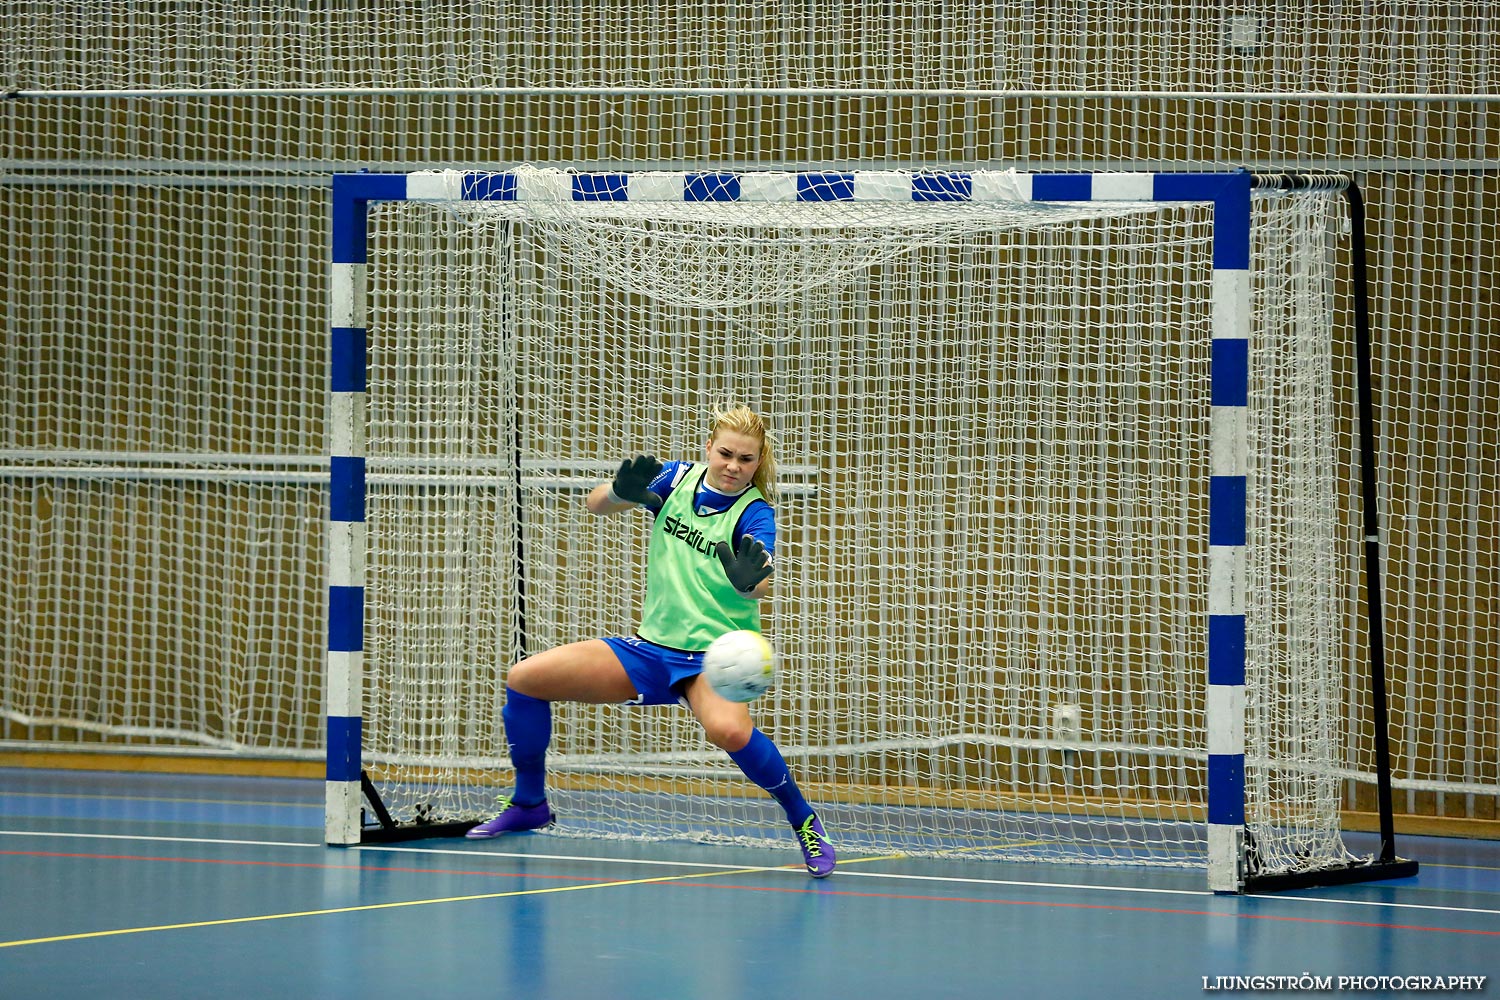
(1005, 846)
(373, 906)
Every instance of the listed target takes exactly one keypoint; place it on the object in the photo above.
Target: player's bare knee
(522, 677)
(728, 734)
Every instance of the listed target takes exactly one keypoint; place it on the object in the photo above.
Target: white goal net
(991, 587)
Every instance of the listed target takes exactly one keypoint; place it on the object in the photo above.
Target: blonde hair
(743, 420)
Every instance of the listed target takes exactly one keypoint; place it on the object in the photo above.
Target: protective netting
(164, 299)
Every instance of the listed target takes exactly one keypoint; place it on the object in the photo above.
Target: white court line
(844, 872)
(165, 840)
(569, 857)
(1373, 902)
(798, 870)
(92, 797)
(1183, 892)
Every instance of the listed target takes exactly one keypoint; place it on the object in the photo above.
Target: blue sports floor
(164, 886)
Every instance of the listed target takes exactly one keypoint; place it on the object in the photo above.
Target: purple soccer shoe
(817, 852)
(514, 818)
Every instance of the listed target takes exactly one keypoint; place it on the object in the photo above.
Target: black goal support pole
(1386, 865)
(1369, 501)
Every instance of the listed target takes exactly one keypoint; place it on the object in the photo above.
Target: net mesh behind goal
(990, 595)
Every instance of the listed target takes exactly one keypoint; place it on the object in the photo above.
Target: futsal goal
(1071, 554)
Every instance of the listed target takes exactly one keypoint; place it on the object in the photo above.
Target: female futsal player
(708, 564)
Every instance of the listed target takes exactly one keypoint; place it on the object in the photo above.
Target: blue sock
(763, 764)
(528, 730)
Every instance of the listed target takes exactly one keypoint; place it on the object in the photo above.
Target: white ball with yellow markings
(740, 666)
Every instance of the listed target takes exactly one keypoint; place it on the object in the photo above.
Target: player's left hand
(748, 566)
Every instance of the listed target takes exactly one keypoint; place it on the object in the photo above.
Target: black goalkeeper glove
(747, 567)
(631, 482)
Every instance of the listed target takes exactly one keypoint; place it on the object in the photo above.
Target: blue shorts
(656, 671)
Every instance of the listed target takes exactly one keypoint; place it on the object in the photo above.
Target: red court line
(821, 889)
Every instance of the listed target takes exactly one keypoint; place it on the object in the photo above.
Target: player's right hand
(632, 482)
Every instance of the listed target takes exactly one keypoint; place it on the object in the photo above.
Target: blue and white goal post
(1229, 195)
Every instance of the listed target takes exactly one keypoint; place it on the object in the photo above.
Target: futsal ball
(740, 666)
